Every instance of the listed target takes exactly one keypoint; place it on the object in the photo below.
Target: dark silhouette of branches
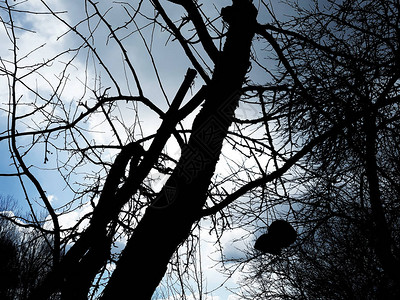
(138, 126)
(26, 257)
(345, 56)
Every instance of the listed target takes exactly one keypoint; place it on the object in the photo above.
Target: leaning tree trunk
(167, 223)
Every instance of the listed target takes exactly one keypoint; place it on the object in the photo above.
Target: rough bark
(167, 223)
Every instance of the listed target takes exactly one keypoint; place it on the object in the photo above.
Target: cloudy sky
(42, 37)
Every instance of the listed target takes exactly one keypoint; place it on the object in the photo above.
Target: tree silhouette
(9, 261)
(347, 207)
(89, 108)
(25, 255)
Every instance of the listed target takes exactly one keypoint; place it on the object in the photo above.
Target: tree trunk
(167, 223)
(381, 239)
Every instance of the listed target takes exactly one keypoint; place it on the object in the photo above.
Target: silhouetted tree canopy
(141, 127)
(345, 197)
(25, 257)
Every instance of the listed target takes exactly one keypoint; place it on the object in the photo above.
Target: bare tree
(346, 196)
(9, 253)
(82, 108)
(25, 255)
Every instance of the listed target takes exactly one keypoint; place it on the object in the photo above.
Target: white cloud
(233, 243)
(52, 198)
(70, 219)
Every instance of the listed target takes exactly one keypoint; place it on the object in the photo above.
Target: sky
(47, 36)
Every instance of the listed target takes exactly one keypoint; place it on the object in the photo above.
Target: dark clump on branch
(280, 235)
(238, 12)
